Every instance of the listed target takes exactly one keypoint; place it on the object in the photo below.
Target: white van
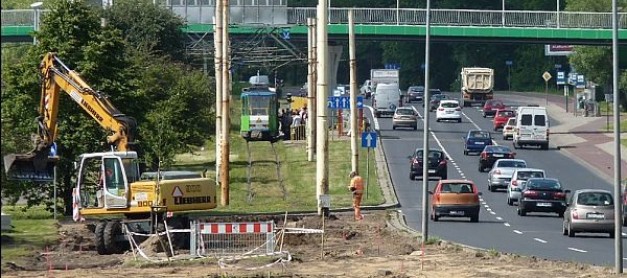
(532, 127)
(386, 98)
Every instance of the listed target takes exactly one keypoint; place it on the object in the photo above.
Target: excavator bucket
(30, 167)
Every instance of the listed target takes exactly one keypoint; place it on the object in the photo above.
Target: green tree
(156, 31)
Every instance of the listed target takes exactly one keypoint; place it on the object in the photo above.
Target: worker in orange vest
(357, 188)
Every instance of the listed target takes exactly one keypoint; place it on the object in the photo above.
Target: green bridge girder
(408, 32)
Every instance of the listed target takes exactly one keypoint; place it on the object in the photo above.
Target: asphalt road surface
(499, 227)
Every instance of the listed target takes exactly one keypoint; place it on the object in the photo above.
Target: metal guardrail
(391, 16)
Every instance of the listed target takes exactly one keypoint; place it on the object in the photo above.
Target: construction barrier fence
(224, 239)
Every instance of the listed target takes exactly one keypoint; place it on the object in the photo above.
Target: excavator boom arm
(57, 77)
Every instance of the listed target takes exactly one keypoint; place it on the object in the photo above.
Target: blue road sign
(509, 63)
(331, 103)
(572, 78)
(561, 78)
(581, 81)
(53, 150)
(369, 140)
(360, 102)
(343, 102)
(285, 34)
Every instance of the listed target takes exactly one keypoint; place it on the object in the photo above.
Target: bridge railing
(405, 16)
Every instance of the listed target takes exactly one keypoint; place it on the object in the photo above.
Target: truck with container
(383, 76)
(477, 85)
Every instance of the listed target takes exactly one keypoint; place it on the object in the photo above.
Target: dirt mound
(76, 237)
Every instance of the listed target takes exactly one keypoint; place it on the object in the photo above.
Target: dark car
(491, 154)
(490, 107)
(437, 162)
(433, 92)
(542, 195)
(434, 102)
(415, 93)
(476, 140)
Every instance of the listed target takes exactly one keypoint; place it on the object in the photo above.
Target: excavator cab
(104, 179)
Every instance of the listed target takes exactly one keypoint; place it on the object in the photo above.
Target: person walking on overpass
(356, 186)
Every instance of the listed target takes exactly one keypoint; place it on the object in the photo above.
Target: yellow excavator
(109, 183)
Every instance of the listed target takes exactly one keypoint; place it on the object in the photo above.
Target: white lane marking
(624, 234)
(483, 202)
(518, 232)
(577, 250)
(376, 121)
(539, 240)
(499, 218)
(506, 224)
(492, 212)
(486, 206)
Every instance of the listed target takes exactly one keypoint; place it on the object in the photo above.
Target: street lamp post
(36, 12)
(425, 132)
(558, 13)
(618, 239)
(503, 12)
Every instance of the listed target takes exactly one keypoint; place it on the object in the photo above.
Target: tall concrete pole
(217, 39)
(425, 133)
(618, 239)
(226, 96)
(353, 92)
(311, 99)
(322, 132)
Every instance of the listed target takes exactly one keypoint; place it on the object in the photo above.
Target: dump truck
(477, 85)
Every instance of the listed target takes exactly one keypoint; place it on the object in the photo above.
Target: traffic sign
(547, 76)
(53, 150)
(509, 62)
(285, 33)
(343, 102)
(581, 81)
(369, 140)
(572, 78)
(561, 78)
(360, 102)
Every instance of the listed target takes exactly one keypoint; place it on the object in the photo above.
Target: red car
(501, 116)
(490, 107)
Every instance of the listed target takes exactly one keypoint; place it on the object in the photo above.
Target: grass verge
(298, 190)
(33, 230)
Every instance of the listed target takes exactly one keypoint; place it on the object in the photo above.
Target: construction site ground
(378, 246)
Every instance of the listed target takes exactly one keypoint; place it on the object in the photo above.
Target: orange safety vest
(358, 183)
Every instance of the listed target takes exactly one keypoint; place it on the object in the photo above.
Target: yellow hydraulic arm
(57, 77)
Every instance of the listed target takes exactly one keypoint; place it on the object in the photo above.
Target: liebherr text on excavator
(108, 182)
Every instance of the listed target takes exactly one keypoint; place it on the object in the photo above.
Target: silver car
(519, 178)
(589, 211)
(501, 173)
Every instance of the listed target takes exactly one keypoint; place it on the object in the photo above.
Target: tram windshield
(259, 105)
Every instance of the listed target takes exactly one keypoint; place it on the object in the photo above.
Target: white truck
(383, 76)
(387, 97)
(477, 85)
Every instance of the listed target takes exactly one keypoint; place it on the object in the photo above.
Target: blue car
(476, 140)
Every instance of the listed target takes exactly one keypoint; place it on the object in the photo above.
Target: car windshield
(543, 184)
(525, 175)
(479, 134)
(511, 121)
(595, 199)
(512, 163)
(432, 154)
(506, 113)
(404, 111)
(449, 104)
(456, 188)
(438, 97)
(497, 149)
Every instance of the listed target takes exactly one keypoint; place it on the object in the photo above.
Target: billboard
(558, 50)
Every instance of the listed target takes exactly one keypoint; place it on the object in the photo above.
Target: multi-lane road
(499, 226)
